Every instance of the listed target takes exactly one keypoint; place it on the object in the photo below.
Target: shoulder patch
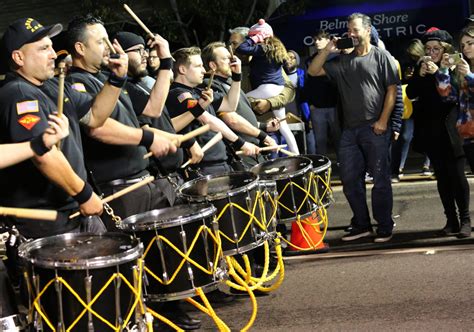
(192, 103)
(29, 121)
(29, 106)
(185, 95)
(80, 87)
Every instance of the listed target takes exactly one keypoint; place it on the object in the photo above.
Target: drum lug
(88, 286)
(58, 286)
(117, 284)
(38, 322)
(185, 248)
(159, 243)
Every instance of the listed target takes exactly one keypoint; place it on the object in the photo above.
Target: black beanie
(127, 39)
(438, 35)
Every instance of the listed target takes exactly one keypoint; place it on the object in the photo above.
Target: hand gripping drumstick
(266, 148)
(191, 134)
(62, 75)
(29, 213)
(213, 141)
(120, 193)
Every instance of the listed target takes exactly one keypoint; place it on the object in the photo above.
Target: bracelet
(84, 195)
(262, 135)
(38, 146)
(238, 143)
(196, 111)
(166, 64)
(116, 81)
(236, 77)
(147, 139)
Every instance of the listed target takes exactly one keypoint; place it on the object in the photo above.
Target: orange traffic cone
(306, 235)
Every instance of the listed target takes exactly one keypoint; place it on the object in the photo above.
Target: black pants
(452, 184)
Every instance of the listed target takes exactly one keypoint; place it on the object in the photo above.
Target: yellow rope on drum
(185, 256)
(207, 309)
(164, 320)
(256, 283)
(88, 307)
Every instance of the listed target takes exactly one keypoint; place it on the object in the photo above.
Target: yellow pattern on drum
(88, 307)
(186, 257)
(263, 225)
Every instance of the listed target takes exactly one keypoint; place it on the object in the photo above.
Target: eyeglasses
(140, 51)
(433, 50)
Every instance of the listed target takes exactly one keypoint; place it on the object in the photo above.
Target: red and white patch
(29, 121)
(192, 103)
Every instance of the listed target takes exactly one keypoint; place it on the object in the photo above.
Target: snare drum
(237, 198)
(292, 177)
(83, 282)
(181, 250)
(321, 179)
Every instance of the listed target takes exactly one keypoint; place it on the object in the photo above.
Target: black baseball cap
(27, 30)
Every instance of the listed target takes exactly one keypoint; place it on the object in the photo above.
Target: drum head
(167, 217)
(81, 250)
(218, 186)
(319, 161)
(282, 168)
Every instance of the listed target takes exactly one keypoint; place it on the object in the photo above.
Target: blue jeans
(361, 151)
(325, 125)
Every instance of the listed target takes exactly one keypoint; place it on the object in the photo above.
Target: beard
(136, 72)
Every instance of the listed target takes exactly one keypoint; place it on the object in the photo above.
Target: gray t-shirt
(362, 83)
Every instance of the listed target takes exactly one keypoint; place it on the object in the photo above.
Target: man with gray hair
(367, 82)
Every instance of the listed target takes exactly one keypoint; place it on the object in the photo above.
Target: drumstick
(229, 48)
(62, 75)
(120, 193)
(188, 136)
(109, 44)
(139, 21)
(29, 213)
(213, 141)
(210, 80)
(288, 153)
(282, 119)
(266, 148)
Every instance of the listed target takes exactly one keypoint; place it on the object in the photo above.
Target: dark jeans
(361, 150)
(453, 187)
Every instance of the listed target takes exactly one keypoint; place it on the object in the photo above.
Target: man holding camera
(367, 83)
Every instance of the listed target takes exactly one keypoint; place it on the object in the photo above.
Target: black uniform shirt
(24, 110)
(139, 94)
(109, 162)
(181, 99)
(244, 109)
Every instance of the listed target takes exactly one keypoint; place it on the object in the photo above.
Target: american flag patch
(29, 106)
(185, 95)
(79, 87)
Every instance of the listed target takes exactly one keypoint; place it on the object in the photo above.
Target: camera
(455, 58)
(345, 43)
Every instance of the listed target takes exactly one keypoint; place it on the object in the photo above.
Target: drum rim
(218, 196)
(283, 176)
(90, 263)
(323, 167)
(207, 211)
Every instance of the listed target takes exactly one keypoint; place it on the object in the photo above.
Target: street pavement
(421, 282)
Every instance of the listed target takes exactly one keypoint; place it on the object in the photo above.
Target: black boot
(451, 228)
(465, 230)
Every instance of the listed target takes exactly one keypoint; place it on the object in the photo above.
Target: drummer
(188, 73)
(57, 179)
(114, 153)
(243, 121)
(140, 95)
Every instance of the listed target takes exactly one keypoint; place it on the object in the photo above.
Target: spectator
(367, 83)
(268, 56)
(436, 134)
